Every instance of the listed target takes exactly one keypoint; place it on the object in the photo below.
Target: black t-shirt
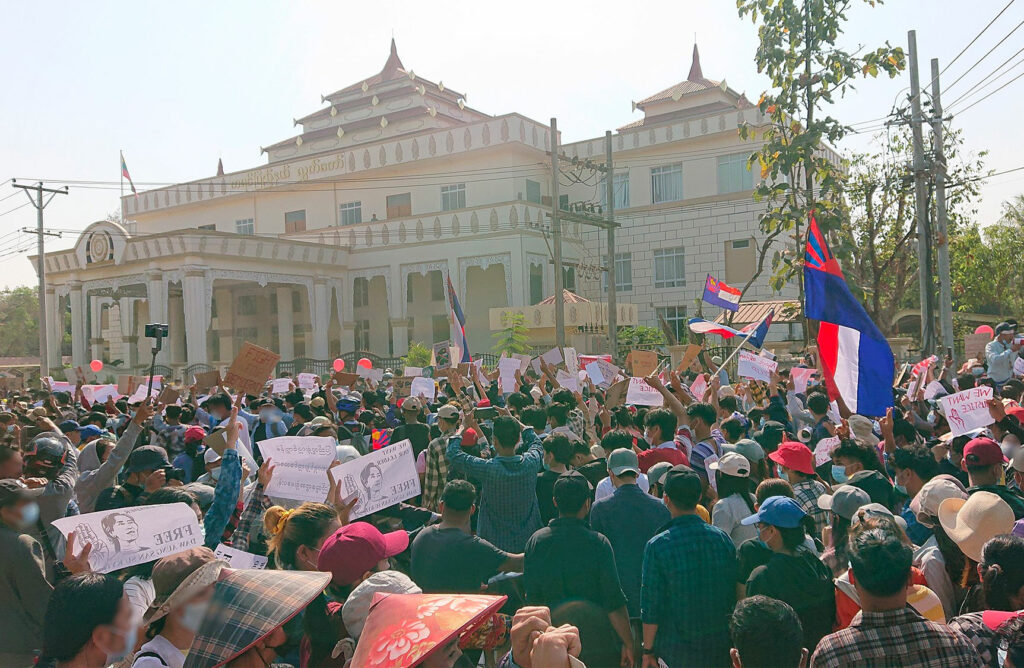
(295, 429)
(418, 434)
(803, 581)
(452, 561)
(545, 491)
(594, 471)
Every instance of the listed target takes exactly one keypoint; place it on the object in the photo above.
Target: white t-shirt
(141, 594)
(606, 488)
(171, 655)
(726, 515)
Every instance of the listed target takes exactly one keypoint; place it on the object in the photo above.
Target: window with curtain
(669, 268)
(620, 186)
(667, 183)
(623, 273)
(350, 213)
(733, 174)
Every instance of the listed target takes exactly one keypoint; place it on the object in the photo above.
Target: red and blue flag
(717, 293)
(458, 324)
(759, 329)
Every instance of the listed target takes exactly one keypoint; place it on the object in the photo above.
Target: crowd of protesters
(754, 525)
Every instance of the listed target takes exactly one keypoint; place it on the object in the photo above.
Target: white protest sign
(639, 393)
(1018, 366)
(553, 356)
(375, 375)
(699, 386)
(380, 479)
(524, 361)
(413, 371)
(98, 394)
(932, 389)
(134, 535)
(140, 394)
(602, 372)
(507, 368)
(280, 385)
(833, 412)
(239, 559)
(800, 378)
(535, 365)
(424, 386)
(572, 360)
(569, 381)
(823, 451)
(307, 381)
(300, 466)
(755, 366)
(968, 410)
(594, 371)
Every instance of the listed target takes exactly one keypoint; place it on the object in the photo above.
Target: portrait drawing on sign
(123, 532)
(373, 482)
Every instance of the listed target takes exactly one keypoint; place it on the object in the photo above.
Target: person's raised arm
(885, 425)
(671, 401)
(225, 494)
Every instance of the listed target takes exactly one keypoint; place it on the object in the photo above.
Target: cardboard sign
(974, 345)
(552, 357)
(966, 411)
(642, 362)
(281, 386)
(240, 559)
(572, 360)
(207, 379)
(126, 384)
(379, 479)
(413, 371)
(402, 386)
(442, 355)
(689, 357)
(616, 394)
(307, 381)
(823, 451)
(639, 393)
(252, 366)
(755, 366)
(300, 466)
(800, 378)
(168, 396)
(424, 386)
(699, 386)
(134, 535)
(569, 381)
(345, 379)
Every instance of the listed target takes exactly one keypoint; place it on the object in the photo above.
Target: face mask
(10, 429)
(29, 515)
(902, 489)
(130, 636)
(933, 418)
(760, 423)
(839, 473)
(192, 617)
(783, 475)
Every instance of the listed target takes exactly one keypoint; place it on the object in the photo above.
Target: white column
(520, 277)
(54, 328)
(196, 315)
(224, 328)
(96, 327)
(79, 347)
(176, 331)
(156, 291)
(400, 336)
(126, 310)
(285, 323)
(320, 314)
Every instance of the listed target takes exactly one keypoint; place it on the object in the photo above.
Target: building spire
(695, 73)
(393, 64)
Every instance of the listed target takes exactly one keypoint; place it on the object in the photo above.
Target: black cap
(1004, 327)
(682, 482)
(13, 490)
(147, 458)
(571, 488)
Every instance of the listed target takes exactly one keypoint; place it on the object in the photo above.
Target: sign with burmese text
(251, 368)
(380, 479)
(300, 466)
(125, 537)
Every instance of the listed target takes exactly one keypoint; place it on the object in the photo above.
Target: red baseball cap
(469, 437)
(194, 433)
(356, 548)
(793, 455)
(982, 452)
(1017, 412)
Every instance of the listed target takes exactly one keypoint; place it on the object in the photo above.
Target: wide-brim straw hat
(972, 523)
(193, 584)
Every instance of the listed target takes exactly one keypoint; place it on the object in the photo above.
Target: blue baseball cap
(89, 430)
(778, 511)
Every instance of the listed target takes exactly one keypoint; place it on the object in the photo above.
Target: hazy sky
(179, 85)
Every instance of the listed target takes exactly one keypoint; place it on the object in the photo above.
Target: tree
(514, 337)
(798, 51)
(19, 322)
(985, 269)
(418, 355)
(639, 337)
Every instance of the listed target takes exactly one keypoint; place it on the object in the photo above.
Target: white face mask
(193, 614)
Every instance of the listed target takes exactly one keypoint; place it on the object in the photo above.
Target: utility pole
(945, 304)
(921, 201)
(609, 175)
(556, 235)
(39, 204)
(808, 167)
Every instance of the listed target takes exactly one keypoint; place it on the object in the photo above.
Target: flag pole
(121, 171)
(752, 331)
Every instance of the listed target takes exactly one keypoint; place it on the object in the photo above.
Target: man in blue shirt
(688, 590)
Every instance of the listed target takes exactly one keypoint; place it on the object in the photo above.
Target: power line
(976, 37)
(987, 53)
(981, 84)
(22, 206)
(982, 99)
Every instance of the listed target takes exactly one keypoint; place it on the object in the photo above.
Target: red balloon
(365, 363)
(985, 329)
(339, 364)
(96, 365)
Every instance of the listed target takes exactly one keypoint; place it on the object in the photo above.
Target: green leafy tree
(985, 267)
(640, 337)
(514, 337)
(418, 355)
(19, 322)
(798, 51)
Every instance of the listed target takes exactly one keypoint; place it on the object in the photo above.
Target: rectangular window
(210, 228)
(436, 287)
(362, 335)
(408, 288)
(536, 283)
(350, 213)
(675, 318)
(245, 226)
(399, 205)
(623, 273)
(563, 202)
(440, 328)
(360, 292)
(620, 186)
(247, 305)
(296, 301)
(733, 174)
(453, 197)
(669, 268)
(667, 183)
(569, 279)
(532, 191)
(273, 303)
(295, 221)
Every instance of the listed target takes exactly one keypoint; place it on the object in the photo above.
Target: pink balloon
(365, 363)
(985, 329)
(96, 365)
(339, 364)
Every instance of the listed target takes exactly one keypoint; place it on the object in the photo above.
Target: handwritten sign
(507, 368)
(239, 558)
(307, 381)
(823, 451)
(755, 366)
(572, 360)
(252, 366)
(376, 375)
(933, 389)
(301, 464)
(134, 535)
(689, 357)
(524, 361)
(380, 479)
(639, 393)
(280, 385)
(424, 386)
(402, 386)
(442, 354)
(968, 410)
(974, 345)
(800, 378)
(207, 379)
(616, 394)
(413, 371)
(699, 386)
(141, 393)
(602, 372)
(569, 381)
(642, 362)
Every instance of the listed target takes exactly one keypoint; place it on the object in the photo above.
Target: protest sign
(616, 394)
(379, 479)
(642, 362)
(442, 354)
(755, 366)
(252, 366)
(833, 412)
(345, 379)
(823, 451)
(507, 368)
(639, 393)
(402, 386)
(424, 386)
(968, 410)
(569, 381)
(932, 389)
(1018, 366)
(216, 441)
(376, 375)
(100, 393)
(133, 535)
(141, 393)
(307, 381)
(974, 345)
(901, 374)
(572, 360)
(767, 353)
(413, 371)
(800, 378)
(552, 357)
(168, 396)
(126, 384)
(238, 558)
(524, 361)
(699, 386)
(300, 466)
(280, 385)
(689, 357)
(600, 375)
(535, 365)
(207, 379)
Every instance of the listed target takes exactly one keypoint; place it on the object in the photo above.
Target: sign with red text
(968, 410)
(251, 368)
(755, 366)
(639, 393)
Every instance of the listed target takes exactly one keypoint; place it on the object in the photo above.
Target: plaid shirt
(895, 638)
(251, 517)
(806, 494)
(984, 639)
(509, 513)
(688, 590)
(436, 475)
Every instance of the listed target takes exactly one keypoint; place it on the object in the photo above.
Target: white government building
(342, 242)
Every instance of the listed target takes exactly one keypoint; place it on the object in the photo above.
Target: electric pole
(609, 175)
(556, 235)
(39, 204)
(921, 201)
(945, 304)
